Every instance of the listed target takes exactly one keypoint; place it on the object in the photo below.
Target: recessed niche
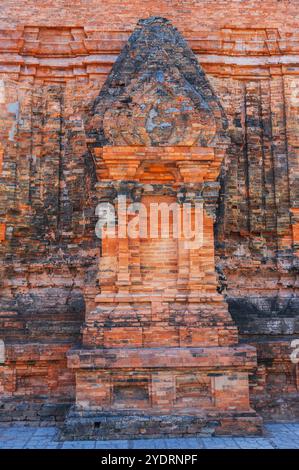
(131, 392)
(193, 390)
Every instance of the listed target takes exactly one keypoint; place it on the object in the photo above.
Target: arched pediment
(157, 95)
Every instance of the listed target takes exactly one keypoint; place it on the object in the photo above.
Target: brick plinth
(132, 425)
(188, 390)
(124, 371)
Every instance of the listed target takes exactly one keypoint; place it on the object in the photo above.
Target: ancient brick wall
(188, 15)
(53, 63)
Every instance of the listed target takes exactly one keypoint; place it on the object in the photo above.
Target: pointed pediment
(156, 94)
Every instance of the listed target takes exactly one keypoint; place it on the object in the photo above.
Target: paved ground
(277, 436)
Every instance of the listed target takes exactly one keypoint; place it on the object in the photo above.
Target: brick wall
(54, 61)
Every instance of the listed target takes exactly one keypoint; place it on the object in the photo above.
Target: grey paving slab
(51, 431)
(253, 443)
(281, 428)
(276, 436)
(112, 444)
(294, 428)
(146, 444)
(78, 445)
(279, 443)
(187, 443)
(219, 443)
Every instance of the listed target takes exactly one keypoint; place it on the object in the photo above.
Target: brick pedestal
(160, 352)
(162, 391)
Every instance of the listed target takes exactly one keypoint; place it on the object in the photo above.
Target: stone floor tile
(253, 443)
(50, 431)
(277, 435)
(145, 444)
(279, 443)
(179, 443)
(78, 445)
(121, 444)
(219, 443)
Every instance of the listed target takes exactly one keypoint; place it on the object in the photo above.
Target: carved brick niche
(159, 345)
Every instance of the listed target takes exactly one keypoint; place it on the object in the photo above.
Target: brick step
(121, 425)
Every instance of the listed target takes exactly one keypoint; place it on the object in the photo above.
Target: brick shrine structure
(160, 351)
(51, 75)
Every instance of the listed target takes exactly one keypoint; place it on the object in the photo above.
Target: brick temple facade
(126, 337)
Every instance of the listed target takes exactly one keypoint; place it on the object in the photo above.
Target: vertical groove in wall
(281, 179)
(270, 198)
(246, 161)
(263, 176)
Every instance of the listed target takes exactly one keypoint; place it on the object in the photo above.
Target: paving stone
(251, 443)
(121, 444)
(279, 443)
(219, 443)
(78, 445)
(47, 431)
(280, 436)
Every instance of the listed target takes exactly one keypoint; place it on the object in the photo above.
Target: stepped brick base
(161, 391)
